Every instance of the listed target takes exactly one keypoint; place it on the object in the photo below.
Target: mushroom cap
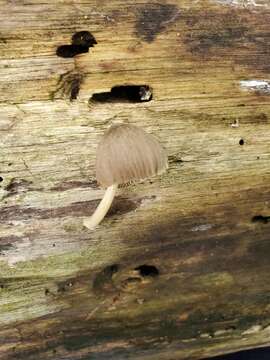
(127, 153)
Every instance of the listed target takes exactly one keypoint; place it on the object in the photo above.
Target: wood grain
(179, 267)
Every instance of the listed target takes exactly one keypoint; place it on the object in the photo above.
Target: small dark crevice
(68, 86)
(46, 292)
(103, 281)
(18, 185)
(261, 219)
(125, 93)
(241, 142)
(81, 42)
(175, 159)
(110, 270)
(178, 161)
(64, 286)
(147, 270)
(74, 89)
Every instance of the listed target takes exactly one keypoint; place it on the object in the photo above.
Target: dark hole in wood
(53, 245)
(84, 38)
(9, 164)
(2, 286)
(69, 51)
(103, 280)
(64, 286)
(110, 270)
(125, 93)
(46, 292)
(147, 270)
(261, 219)
(1, 179)
(81, 42)
(241, 142)
(75, 89)
(106, 274)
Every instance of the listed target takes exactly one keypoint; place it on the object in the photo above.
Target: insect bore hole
(81, 42)
(147, 270)
(241, 142)
(261, 219)
(125, 93)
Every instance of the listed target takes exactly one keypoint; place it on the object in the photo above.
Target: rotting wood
(178, 269)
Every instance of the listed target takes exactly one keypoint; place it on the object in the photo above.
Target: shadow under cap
(127, 153)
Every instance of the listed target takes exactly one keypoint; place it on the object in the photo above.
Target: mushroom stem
(102, 208)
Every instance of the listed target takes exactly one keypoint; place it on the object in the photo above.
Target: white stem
(102, 208)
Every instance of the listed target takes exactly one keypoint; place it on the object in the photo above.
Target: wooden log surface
(179, 267)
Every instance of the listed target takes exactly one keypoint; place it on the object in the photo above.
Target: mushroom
(126, 153)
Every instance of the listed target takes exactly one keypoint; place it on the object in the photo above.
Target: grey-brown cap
(127, 153)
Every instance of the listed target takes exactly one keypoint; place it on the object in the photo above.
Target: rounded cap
(127, 153)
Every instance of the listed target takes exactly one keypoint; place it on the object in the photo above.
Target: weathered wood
(179, 267)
